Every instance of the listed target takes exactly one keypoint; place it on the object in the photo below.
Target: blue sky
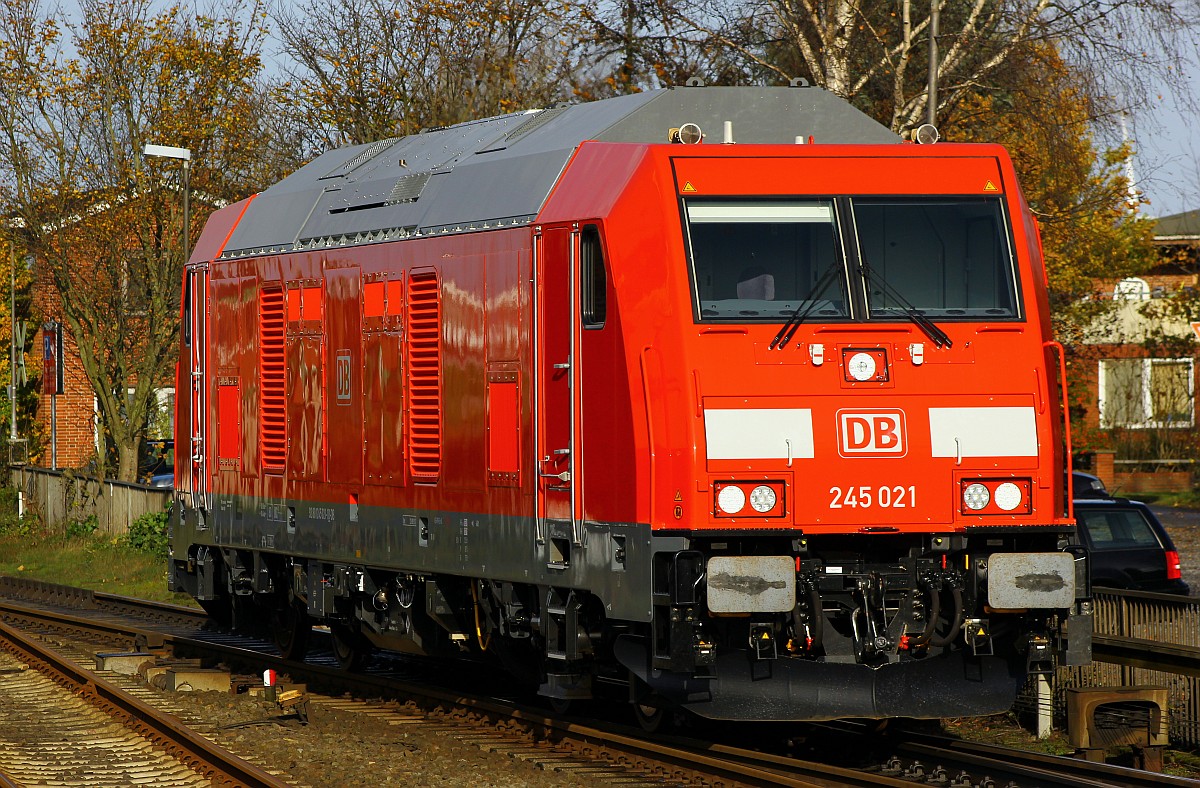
(1167, 140)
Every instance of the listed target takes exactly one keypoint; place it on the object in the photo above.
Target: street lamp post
(17, 349)
(185, 156)
(932, 99)
(12, 389)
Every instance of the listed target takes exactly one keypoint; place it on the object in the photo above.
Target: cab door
(556, 349)
(196, 340)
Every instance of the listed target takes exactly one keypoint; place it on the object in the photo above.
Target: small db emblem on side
(344, 377)
(875, 432)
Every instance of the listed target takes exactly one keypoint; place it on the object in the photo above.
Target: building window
(1147, 392)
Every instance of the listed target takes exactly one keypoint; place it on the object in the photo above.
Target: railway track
(60, 720)
(587, 750)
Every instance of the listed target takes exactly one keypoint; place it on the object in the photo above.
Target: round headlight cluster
(1008, 496)
(976, 496)
(762, 498)
(731, 499)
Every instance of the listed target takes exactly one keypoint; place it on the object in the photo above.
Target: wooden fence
(1162, 631)
(59, 498)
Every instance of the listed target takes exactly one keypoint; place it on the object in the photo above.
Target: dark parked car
(157, 466)
(1085, 485)
(1128, 547)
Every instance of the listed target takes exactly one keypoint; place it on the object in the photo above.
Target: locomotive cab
(855, 445)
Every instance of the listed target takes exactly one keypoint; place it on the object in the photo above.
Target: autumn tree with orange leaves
(1091, 226)
(79, 102)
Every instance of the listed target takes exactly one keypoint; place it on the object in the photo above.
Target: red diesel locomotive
(712, 398)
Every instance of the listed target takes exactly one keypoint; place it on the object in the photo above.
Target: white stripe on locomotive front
(765, 433)
(758, 433)
(983, 432)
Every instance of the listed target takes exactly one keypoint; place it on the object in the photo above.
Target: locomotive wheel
(290, 629)
(350, 649)
(651, 718)
(562, 705)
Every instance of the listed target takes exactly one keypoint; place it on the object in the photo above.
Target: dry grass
(80, 557)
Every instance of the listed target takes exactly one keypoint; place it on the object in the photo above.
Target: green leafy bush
(84, 527)
(148, 533)
(10, 523)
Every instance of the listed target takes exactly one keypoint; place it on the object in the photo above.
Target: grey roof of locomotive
(499, 171)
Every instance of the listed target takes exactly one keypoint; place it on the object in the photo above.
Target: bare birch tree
(877, 54)
(362, 70)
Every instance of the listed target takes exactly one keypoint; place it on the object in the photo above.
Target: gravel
(346, 748)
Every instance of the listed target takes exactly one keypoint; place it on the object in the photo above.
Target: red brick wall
(74, 436)
(1143, 482)
(1169, 282)
(1125, 482)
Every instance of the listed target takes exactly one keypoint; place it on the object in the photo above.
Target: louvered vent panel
(408, 188)
(424, 377)
(368, 153)
(272, 429)
(534, 123)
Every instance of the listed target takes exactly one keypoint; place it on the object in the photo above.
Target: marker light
(926, 134)
(688, 134)
(1008, 496)
(976, 496)
(762, 498)
(731, 499)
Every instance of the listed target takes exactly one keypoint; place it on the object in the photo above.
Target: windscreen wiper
(803, 310)
(936, 335)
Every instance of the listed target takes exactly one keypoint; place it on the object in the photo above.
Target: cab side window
(593, 279)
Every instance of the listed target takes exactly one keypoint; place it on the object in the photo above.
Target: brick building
(73, 440)
(1135, 413)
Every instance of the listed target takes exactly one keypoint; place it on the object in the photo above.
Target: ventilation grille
(424, 377)
(366, 155)
(272, 374)
(534, 123)
(408, 188)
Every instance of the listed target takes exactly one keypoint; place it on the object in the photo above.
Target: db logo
(343, 377)
(871, 433)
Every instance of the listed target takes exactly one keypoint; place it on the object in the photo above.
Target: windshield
(948, 258)
(761, 260)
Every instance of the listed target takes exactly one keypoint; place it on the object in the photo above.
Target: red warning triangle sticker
(688, 187)
(990, 187)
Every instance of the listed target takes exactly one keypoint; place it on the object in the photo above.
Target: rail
(161, 729)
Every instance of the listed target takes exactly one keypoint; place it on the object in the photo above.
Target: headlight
(1008, 496)
(731, 499)
(762, 498)
(976, 496)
